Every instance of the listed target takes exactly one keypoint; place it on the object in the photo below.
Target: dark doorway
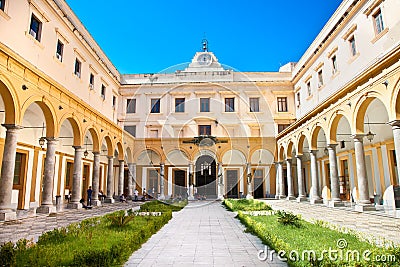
(206, 177)
(258, 184)
(126, 182)
(85, 181)
(232, 183)
(180, 183)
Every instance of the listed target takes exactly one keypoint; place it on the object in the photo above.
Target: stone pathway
(32, 227)
(202, 234)
(371, 223)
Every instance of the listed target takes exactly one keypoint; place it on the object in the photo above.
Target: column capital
(52, 139)
(96, 153)
(331, 146)
(288, 159)
(358, 137)
(77, 148)
(299, 156)
(110, 157)
(12, 126)
(121, 161)
(394, 123)
(313, 151)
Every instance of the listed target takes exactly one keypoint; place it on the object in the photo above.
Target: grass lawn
(245, 205)
(96, 241)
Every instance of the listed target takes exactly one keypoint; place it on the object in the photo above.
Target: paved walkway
(202, 234)
(32, 227)
(371, 223)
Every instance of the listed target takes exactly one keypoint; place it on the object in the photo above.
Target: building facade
(324, 129)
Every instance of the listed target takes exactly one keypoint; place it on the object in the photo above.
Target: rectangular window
(131, 105)
(229, 104)
(69, 172)
(2, 4)
(179, 105)
(78, 66)
(91, 81)
(353, 48)
(35, 28)
(114, 101)
(204, 105)
(282, 104)
(298, 99)
(60, 50)
(254, 104)
(320, 79)
(378, 22)
(19, 168)
(334, 64)
(131, 129)
(152, 186)
(309, 88)
(103, 91)
(155, 105)
(204, 129)
(153, 133)
(282, 127)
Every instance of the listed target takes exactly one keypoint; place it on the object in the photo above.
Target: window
(204, 129)
(179, 105)
(378, 21)
(254, 104)
(152, 186)
(229, 104)
(282, 104)
(19, 168)
(103, 91)
(2, 4)
(78, 66)
(204, 105)
(334, 64)
(69, 172)
(60, 50)
(320, 79)
(155, 105)
(153, 133)
(91, 81)
(114, 101)
(282, 127)
(35, 28)
(298, 99)
(353, 48)
(131, 105)
(131, 129)
(309, 88)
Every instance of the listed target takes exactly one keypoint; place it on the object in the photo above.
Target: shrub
(160, 206)
(7, 254)
(53, 237)
(120, 218)
(246, 205)
(288, 218)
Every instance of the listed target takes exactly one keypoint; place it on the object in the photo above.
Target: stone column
(281, 181)
(396, 137)
(363, 203)
(300, 181)
(333, 169)
(289, 179)
(221, 192)
(277, 182)
(162, 175)
(316, 198)
(96, 179)
(121, 178)
(47, 205)
(76, 179)
(191, 182)
(110, 180)
(131, 179)
(249, 182)
(7, 172)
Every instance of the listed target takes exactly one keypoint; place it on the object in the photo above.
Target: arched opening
(206, 175)
(304, 150)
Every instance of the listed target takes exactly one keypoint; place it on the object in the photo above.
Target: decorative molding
(372, 7)
(349, 31)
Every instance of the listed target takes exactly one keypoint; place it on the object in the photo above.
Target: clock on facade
(204, 59)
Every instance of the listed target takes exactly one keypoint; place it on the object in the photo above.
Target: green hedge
(246, 205)
(314, 237)
(163, 206)
(92, 242)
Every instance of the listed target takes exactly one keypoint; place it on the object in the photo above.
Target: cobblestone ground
(204, 233)
(371, 223)
(31, 228)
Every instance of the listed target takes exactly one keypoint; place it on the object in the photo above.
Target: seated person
(82, 201)
(122, 198)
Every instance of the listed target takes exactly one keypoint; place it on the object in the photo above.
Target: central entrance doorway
(180, 183)
(206, 174)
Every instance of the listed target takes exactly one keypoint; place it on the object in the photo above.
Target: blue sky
(254, 35)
